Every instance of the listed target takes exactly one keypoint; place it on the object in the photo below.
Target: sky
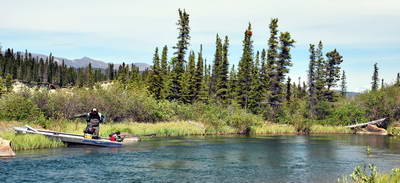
(363, 31)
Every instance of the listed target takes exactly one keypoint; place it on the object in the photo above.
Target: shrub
(347, 114)
(16, 107)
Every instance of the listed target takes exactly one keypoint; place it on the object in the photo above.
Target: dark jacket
(92, 118)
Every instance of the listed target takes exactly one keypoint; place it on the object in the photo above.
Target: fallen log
(367, 123)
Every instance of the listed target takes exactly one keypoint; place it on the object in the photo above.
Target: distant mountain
(352, 94)
(84, 62)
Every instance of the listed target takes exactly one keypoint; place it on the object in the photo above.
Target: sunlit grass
(371, 175)
(325, 129)
(30, 141)
(273, 128)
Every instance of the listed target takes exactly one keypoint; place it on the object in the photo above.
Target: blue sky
(363, 31)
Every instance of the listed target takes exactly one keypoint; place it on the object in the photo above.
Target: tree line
(34, 70)
(259, 83)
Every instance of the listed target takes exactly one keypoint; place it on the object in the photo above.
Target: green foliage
(370, 174)
(17, 107)
(347, 114)
(3, 89)
(9, 83)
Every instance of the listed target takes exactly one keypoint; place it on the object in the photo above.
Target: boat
(70, 138)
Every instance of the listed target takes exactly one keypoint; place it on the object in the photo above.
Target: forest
(176, 87)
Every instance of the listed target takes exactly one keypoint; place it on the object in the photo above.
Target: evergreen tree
(199, 74)
(284, 61)
(190, 93)
(110, 71)
(343, 85)
(90, 76)
(222, 76)
(334, 59)
(256, 91)
(264, 77)
(218, 59)
(375, 77)
(398, 79)
(9, 83)
(181, 47)
(383, 84)
(312, 90)
(245, 69)
(156, 78)
(165, 73)
(272, 58)
(288, 90)
(320, 73)
(232, 84)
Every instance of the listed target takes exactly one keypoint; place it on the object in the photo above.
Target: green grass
(362, 174)
(30, 141)
(273, 128)
(324, 129)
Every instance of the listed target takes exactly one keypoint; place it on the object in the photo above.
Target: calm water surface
(207, 159)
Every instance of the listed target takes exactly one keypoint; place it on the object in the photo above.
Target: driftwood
(366, 124)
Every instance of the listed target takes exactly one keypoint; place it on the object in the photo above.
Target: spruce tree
(383, 84)
(343, 85)
(9, 83)
(398, 79)
(218, 59)
(272, 57)
(334, 59)
(232, 84)
(156, 79)
(264, 77)
(222, 76)
(312, 90)
(320, 73)
(165, 73)
(191, 94)
(245, 69)
(256, 85)
(283, 62)
(110, 71)
(90, 76)
(199, 75)
(288, 90)
(375, 78)
(181, 46)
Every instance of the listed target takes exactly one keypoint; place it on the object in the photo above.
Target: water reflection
(276, 158)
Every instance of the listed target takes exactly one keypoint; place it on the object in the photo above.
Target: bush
(17, 107)
(347, 114)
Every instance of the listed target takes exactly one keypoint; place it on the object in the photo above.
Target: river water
(288, 158)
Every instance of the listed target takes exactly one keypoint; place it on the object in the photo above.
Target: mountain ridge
(84, 62)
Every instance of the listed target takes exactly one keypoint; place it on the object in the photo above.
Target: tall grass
(325, 129)
(30, 141)
(370, 174)
(273, 128)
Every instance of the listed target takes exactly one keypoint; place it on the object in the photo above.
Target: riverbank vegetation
(370, 174)
(256, 97)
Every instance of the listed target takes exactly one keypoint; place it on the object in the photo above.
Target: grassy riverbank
(161, 129)
(370, 174)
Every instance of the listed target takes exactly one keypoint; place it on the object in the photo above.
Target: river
(275, 158)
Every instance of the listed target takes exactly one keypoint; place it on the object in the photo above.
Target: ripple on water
(275, 158)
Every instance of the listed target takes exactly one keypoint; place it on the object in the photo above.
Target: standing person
(93, 118)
